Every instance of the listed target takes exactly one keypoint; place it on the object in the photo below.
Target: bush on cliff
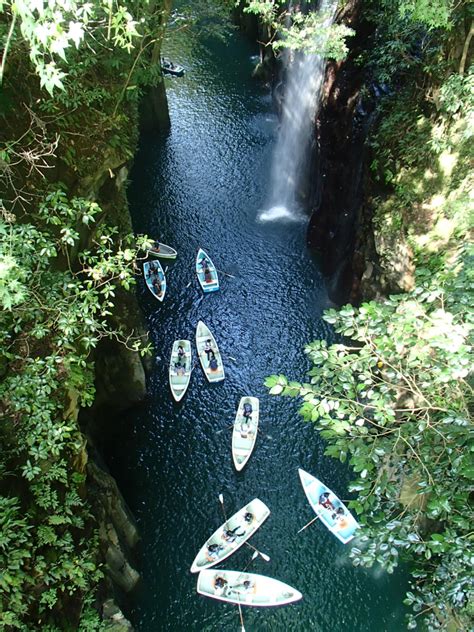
(69, 75)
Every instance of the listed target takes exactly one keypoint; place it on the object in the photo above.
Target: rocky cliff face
(120, 382)
(340, 163)
(357, 261)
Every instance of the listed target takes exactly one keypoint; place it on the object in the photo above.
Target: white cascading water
(304, 77)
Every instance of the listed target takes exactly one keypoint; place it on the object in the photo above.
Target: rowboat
(245, 589)
(206, 272)
(155, 279)
(330, 510)
(180, 368)
(231, 535)
(244, 434)
(209, 354)
(162, 251)
(168, 67)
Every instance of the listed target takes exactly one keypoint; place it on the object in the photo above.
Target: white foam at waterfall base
(280, 213)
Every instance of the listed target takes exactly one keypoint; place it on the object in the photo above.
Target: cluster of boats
(241, 588)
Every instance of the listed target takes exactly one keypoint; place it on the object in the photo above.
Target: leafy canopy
(50, 28)
(311, 32)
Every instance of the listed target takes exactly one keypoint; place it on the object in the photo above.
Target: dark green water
(204, 185)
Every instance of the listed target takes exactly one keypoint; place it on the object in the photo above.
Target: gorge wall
(356, 262)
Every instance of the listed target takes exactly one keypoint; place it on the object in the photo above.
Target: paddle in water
(262, 555)
(226, 428)
(226, 273)
(307, 525)
(241, 618)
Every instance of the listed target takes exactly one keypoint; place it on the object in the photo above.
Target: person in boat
(207, 275)
(220, 585)
(245, 428)
(180, 368)
(325, 502)
(340, 517)
(181, 352)
(208, 350)
(157, 286)
(152, 268)
(247, 519)
(248, 585)
(247, 414)
(213, 551)
(213, 364)
(230, 535)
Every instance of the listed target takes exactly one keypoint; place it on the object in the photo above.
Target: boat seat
(179, 379)
(242, 444)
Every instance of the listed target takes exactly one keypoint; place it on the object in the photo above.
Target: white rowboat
(180, 368)
(245, 429)
(246, 589)
(242, 525)
(206, 272)
(155, 279)
(209, 354)
(331, 511)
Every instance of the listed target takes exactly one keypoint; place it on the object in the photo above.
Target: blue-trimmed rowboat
(206, 272)
(330, 510)
(155, 279)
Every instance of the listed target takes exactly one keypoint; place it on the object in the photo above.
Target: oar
(226, 273)
(241, 618)
(221, 500)
(262, 555)
(226, 428)
(307, 525)
(254, 556)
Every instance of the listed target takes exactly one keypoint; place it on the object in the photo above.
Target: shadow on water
(204, 185)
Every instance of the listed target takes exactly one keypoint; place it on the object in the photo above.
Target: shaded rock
(114, 619)
(112, 506)
(120, 571)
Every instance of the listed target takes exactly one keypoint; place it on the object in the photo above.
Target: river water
(206, 184)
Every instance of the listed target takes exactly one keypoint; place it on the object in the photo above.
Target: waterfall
(304, 77)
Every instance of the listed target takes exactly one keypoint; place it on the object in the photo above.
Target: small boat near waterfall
(209, 354)
(180, 368)
(245, 589)
(155, 279)
(231, 535)
(206, 272)
(162, 251)
(330, 510)
(244, 434)
(169, 68)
